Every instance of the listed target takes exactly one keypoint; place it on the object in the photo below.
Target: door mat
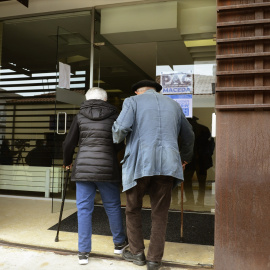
(197, 229)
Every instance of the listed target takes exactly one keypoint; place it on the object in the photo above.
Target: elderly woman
(95, 167)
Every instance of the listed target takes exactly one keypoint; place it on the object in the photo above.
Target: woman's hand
(68, 167)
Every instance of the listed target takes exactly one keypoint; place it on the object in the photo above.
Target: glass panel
(30, 98)
(117, 67)
(180, 41)
(73, 66)
(181, 76)
(27, 82)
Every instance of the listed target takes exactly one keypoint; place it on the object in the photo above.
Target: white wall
(139, 18)
(198, 20)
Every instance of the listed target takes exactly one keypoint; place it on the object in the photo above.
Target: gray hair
(96, 93)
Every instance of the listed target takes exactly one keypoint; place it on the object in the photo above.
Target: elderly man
(151, 124)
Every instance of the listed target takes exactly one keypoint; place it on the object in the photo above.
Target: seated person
(39, 156)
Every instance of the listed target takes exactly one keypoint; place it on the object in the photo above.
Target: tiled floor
(26, 221)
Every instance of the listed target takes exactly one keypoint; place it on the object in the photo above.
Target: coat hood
(96, 109)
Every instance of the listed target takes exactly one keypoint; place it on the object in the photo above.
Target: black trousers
(201, 175)
(159, 189)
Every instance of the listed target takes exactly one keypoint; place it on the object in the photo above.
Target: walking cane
(182, 213)
(62, 205)
(182, 206)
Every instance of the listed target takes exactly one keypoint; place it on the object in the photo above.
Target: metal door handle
(57, 123)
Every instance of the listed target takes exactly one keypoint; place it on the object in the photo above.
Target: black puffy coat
(91, 129)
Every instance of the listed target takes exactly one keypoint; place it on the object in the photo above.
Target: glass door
(36, 108)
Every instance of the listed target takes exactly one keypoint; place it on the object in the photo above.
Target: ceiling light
(200, 43)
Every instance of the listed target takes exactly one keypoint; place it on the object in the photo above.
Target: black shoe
(118, 248)
(138, 259)
(83, 257)
(153, 265)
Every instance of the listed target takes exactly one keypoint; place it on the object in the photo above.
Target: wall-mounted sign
(177, 82)
(185, 102)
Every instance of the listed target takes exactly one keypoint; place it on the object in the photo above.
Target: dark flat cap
(193, 119)
(145, 83)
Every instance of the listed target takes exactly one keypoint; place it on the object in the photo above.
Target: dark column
(242, 237)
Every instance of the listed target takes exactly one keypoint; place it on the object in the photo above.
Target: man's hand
(184, 163)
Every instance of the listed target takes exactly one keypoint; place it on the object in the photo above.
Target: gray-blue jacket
(152, 124)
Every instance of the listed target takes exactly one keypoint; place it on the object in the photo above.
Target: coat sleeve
(123, 124)
(186, 138)
(71, 141)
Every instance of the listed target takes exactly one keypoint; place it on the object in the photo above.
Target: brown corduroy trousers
(159, 189)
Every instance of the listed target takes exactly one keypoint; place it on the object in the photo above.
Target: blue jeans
(85, 196)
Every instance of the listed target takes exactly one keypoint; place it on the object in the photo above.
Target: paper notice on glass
(185, 102)
(64, 76)
(177, 82)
